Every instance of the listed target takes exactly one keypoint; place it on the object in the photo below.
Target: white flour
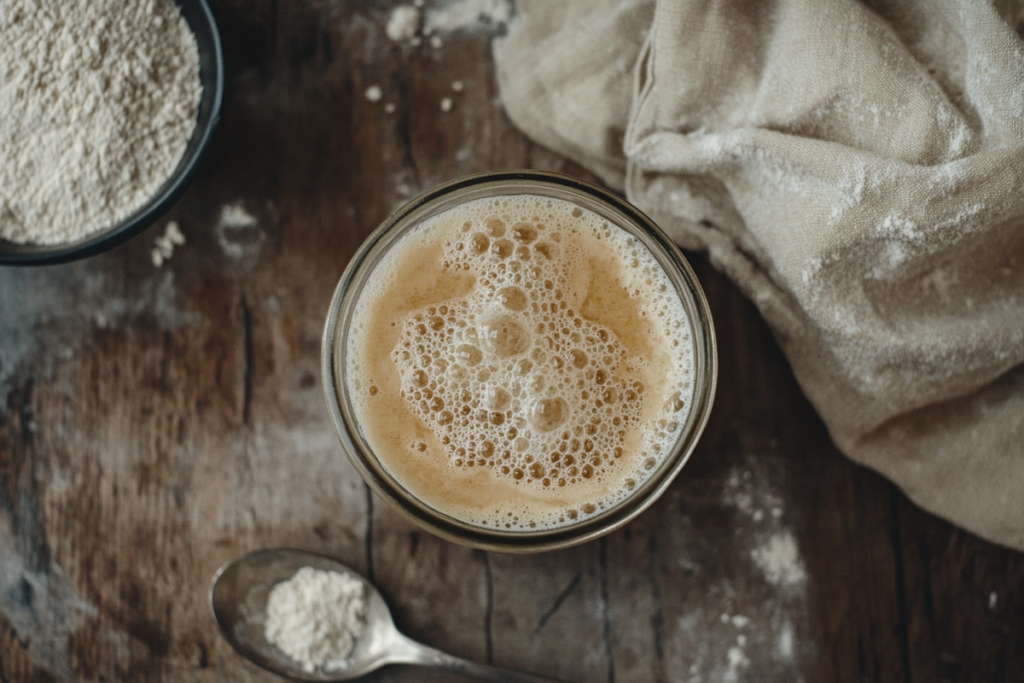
(779, 559)
(99, 100)
(316, 616)
(460, 15)
(163, 246)
(403, 23)
(239, 234)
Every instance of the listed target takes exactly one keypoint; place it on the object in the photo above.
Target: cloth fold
(858, 170)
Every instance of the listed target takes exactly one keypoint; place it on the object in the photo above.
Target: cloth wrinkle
(857, 169)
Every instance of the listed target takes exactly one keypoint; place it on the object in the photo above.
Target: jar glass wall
(511, 184)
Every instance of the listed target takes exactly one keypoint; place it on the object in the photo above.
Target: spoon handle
(422, 655)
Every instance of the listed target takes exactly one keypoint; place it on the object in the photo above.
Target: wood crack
(901, 583)
(658, 618)
(247, 367)
(606, 621)
(20, 486)
(26, 416)
(557, 603)
(368, 537)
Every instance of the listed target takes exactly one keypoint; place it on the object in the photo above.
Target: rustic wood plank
(763, 477)
(156, 422)
(550, 612)
(965, 619)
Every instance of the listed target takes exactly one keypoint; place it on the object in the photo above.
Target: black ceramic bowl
(211, 73)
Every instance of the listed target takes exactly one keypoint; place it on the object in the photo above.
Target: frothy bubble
(512, 379)
(549, 413)
(517, 354)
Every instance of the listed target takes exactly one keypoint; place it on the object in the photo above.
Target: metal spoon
(238, 598)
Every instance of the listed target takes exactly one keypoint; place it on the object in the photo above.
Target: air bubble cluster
(508, 374)
(510, 377)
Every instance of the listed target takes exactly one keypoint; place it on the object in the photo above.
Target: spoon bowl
(238, 599)
(239, 594)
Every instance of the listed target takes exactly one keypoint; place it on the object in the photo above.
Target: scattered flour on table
(737, 660)
(784, 642)
(238, 233)
(780, 560)
(737, 620)
(316, 617)
(164, 244)
(235, 216)
(458, 15)
(40, 606)
(406, 22)
(100, 99)
(750, 492)
(766, 640)
(403, 23)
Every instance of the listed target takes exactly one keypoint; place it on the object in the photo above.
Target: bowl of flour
(109, 106)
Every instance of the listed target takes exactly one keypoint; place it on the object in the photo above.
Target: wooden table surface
(156, 422)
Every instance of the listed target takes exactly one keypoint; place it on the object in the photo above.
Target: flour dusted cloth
(857, 170)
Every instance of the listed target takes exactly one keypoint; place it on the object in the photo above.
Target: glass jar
(617, 213)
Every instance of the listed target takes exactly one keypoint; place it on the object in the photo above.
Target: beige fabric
(858, 170)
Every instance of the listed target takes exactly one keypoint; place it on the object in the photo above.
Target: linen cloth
(858, 170)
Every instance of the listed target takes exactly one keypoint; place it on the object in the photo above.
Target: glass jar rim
(620, 213)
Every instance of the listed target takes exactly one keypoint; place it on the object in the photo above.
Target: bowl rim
(175, 186)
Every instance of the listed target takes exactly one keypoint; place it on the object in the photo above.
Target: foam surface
(519, 362)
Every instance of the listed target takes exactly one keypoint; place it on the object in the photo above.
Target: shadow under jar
(519, 361)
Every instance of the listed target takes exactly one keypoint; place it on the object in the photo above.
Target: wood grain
(157, 422)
